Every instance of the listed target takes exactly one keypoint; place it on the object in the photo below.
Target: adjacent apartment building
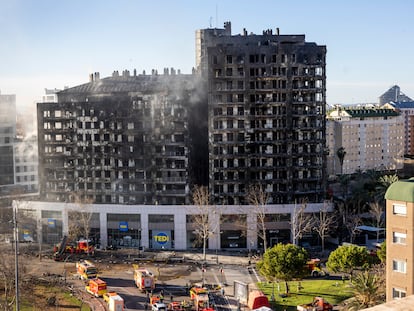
(18, 153)
(266, 121)
(400, 239)
(372, 138)
(406, 108)
(7, 137)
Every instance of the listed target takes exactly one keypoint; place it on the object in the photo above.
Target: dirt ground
(45, 283)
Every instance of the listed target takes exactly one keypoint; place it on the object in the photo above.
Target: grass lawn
(38, 298)
(334, 291)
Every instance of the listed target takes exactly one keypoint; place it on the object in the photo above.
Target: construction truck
(86, 270)
(144, 279)
(59, 249)
(315, 268)
(96, 287)
(200, 298)
(318, 304)
(64, 247)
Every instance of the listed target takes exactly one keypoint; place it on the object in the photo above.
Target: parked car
(159, 306)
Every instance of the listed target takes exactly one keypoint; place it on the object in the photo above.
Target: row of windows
(399, 265)
(25, 178)
(268, 58)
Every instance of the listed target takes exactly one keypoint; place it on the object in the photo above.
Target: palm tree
(340, 153)
(383, 183)
(368, 291)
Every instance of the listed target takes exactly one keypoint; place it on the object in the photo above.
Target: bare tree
(301, 222)
(376, 210)
(203, 228)
(80, 220)
(323, 222)
(352, 223)
(7, 281)
(258, 198)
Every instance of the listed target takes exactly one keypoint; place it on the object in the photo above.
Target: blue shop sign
(123, 226)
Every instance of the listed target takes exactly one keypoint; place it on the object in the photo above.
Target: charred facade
(123, 139)
(266, 97)
(253, 112)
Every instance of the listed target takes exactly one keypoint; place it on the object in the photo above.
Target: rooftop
(402, 190)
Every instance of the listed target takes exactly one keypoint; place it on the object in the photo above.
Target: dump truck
(96, 287)
(144, 279)
(318, 304)
(86, 270)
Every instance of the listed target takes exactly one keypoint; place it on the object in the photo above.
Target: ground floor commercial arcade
(169, 227)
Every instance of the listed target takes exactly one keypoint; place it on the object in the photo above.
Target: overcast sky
(52, 44)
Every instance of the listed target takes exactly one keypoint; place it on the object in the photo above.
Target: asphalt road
(173, 279)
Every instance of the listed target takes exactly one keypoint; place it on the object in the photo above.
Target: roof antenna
(211, 18)
(216, 15)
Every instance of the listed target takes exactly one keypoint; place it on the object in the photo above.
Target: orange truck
(315, 268)
(86, 270)
(96, 287)
(144, 279)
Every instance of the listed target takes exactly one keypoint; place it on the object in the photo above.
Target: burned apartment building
(252, 112)
(124, 139)
(266, 96)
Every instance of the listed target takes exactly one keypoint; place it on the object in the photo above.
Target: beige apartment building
(400, 234)
(372, 137)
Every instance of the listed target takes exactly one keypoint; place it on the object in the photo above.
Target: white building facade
(164, 226)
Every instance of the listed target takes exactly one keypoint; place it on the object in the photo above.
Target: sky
(53, 44)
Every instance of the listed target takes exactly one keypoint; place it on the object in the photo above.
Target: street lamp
(16, 252)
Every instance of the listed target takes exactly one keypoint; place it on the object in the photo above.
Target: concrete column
(103, 229)
(214, 239)
(180, 230)
(251, 239)
(65, 222)
(144, 230)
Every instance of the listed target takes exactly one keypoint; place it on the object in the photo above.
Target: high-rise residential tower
(266, 98)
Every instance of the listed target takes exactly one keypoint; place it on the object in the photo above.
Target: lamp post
(16, 252)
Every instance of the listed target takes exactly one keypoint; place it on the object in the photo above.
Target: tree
(382, 252)
(201, 220)
(80, 220)
(340, 153)
(383, 184)
(377, 211)
(368, 291)
(283, 262)
(258, 198)
(347, 258)
(301, 222)
(323, 224)
(7, 281)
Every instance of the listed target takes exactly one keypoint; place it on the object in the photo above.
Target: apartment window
(399, 209)
(399, 266)
(130, 126)
(229, 59)
(398, 293)
(399, 238)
